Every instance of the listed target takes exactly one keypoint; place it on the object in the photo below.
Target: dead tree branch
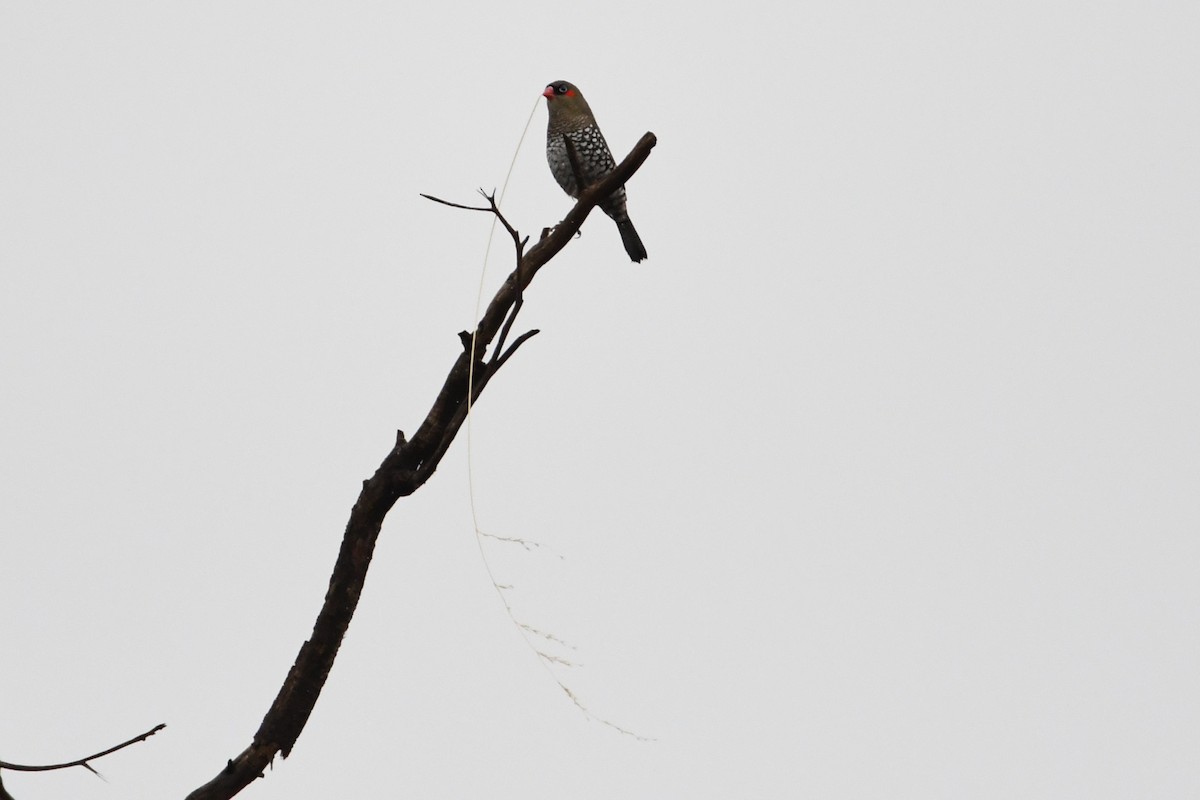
(405, 469)
(79, 762)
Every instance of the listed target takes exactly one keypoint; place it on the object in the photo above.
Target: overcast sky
(879, 479)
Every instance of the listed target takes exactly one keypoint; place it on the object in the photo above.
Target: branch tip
(83, 762)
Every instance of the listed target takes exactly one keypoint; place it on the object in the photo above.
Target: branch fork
(408, 464)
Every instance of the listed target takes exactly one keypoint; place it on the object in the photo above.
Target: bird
(572, 135)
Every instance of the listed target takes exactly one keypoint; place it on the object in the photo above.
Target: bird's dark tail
(631, 240)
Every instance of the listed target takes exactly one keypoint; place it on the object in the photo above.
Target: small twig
(508, 323)
(520, 340)
(491, 208)
(82, 762)
(454, 205)
(516, 237)
(518, 242)
(519, 245)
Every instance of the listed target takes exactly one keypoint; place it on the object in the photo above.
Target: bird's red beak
(549, 93)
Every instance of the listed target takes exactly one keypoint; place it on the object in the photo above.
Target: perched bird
(573, 136)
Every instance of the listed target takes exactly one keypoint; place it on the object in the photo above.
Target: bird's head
(561, 91)
(566, 102)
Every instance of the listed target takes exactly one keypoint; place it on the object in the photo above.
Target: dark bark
(405, 469)
(79, 762)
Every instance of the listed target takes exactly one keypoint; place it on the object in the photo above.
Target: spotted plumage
(574, 145)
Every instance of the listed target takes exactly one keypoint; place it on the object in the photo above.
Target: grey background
(878, 479)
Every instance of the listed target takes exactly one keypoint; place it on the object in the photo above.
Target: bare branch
(83, 762)
(405, 468)
(520, 340)
(508, 323)
(491, 208)
(516, 237)
(454, 205)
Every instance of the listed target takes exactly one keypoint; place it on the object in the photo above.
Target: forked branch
(404, 469)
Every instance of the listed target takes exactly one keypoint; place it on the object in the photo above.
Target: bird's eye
(561, 90)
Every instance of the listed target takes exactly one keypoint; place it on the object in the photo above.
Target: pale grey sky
(878, 478)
